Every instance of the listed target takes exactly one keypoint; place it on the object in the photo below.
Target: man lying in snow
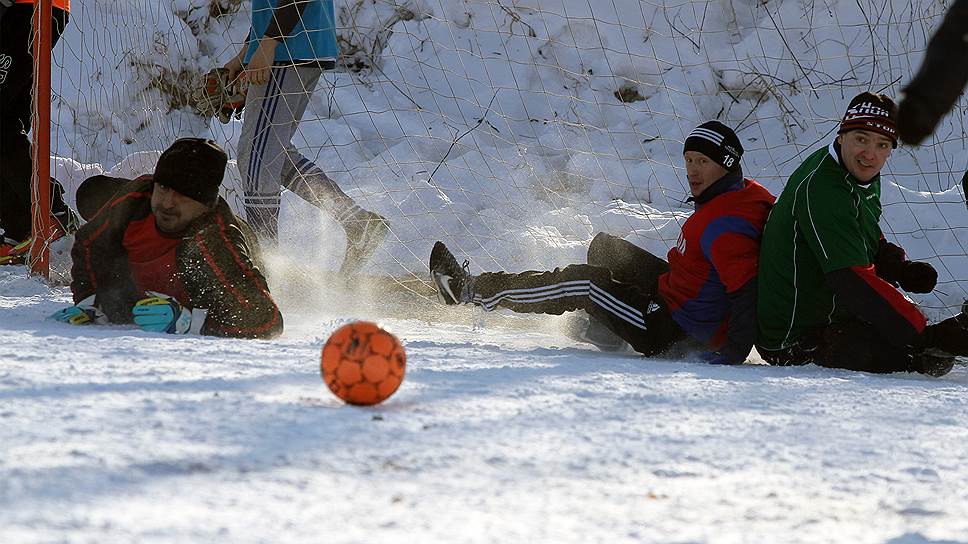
(828, 278)
(166, 252)
(706, 292)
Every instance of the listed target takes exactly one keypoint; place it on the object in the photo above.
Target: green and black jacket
(817, 260)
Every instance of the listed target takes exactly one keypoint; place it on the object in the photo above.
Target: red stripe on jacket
(225, 283)
(904, 307)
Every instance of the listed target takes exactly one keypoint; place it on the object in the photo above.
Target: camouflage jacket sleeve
(217, 267)
(100, 264)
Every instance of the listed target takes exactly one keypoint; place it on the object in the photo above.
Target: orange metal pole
(40, 183)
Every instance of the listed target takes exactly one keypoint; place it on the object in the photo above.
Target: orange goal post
(40, 127)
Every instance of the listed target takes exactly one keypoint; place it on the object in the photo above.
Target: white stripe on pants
(269, 161)
(632, 312)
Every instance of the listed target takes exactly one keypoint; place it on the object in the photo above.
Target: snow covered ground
(503, 431)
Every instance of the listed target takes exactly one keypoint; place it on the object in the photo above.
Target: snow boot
(13, 252)
(950, 336)
(365, 231)
(933, 362)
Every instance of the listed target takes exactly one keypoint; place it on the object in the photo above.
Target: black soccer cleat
(933, 362)
(451, 279)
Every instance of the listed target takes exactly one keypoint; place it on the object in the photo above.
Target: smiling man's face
(864, 152)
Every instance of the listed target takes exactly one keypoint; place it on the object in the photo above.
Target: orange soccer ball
(362, 363)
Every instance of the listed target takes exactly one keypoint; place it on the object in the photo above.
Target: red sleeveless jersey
(62, 4)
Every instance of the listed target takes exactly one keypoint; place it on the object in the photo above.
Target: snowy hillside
(514, 130)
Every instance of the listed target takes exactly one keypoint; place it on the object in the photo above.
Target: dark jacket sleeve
(889, 261)
(896, 319)
(284, 18)
(734, 255)
(741, 332)
(893, 266)
(221, 278)
(99, 262)
(940, 80)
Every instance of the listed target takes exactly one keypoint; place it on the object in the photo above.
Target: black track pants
(628, 262)
(851, 345)
(16, 82)
(629, 308)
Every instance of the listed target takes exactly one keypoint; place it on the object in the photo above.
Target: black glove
(888, 261)
(917, 277)
(893, 267)
(964, 187)
(949, 336)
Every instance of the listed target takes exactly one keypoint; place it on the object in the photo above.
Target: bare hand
(257, 72)
(234, 68)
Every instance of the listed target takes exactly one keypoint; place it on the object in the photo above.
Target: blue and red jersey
(717, 254)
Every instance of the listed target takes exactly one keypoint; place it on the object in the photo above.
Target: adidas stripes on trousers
(618, 286)
(268, 161)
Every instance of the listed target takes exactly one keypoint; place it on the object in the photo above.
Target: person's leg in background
(639, 319)
(268, 162)
(16, 83)
(365, 230)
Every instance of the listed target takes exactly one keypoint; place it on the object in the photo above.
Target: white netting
(516, 129)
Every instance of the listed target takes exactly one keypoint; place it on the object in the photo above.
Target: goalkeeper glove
(162, 313)
(82, 313)
(216, 96)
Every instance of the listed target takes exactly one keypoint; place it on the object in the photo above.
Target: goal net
(514, 130)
